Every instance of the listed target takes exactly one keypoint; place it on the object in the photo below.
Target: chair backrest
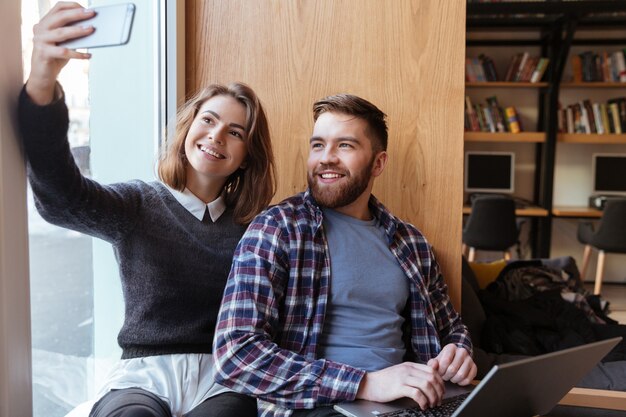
(491, 225)
(611, 234)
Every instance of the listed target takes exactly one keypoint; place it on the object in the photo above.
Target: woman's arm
(63, 196)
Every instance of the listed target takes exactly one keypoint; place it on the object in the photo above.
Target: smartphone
(112, 24)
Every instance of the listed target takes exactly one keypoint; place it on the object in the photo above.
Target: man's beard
(339, 195)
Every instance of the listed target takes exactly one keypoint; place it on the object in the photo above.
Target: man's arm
(449, 325)
(421, 383)
(454, 362)
(248, 358)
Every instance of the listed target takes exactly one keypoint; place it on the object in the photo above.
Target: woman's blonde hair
(248, 190)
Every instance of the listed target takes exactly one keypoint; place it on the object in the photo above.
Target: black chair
(609, 238)
(491, 226)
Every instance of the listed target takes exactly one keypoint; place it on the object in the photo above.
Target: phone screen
(112, 27)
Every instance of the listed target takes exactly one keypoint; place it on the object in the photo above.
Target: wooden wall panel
(407, 57)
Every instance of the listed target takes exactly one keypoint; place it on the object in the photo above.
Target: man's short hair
(358, 107)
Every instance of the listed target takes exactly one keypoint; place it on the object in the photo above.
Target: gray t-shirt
(368, 292)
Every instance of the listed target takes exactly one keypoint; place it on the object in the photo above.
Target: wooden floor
(615, 294)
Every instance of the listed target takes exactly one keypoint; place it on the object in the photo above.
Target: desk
(576, 211)
(595, 398)
(591, 398)
(530, 211)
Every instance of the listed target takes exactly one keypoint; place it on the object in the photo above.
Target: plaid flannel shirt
(273, 309)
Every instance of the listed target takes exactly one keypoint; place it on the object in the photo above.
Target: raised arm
(48, 58)
(63, 196)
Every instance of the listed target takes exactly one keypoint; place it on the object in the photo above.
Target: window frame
(15, 339)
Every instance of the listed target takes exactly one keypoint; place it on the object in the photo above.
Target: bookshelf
(548, 29)
(505, 84)
(592, 84)
(575, 150)
(592, 138)
(504, 137)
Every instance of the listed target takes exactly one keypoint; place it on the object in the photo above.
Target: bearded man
(330, 297)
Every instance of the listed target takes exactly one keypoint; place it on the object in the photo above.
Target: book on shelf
(512, 120)
(614, 113)
(597, 116)
(513, 65)
(620, 102)
(472, 118)
(542, 66)
(482, 123)
(580, 118)
(620, 66)
(588, 61)
(470, 75)
(606, 126)
(520, 68)
(578, 115)
(526, 68)
(489, 123)
(489, 67)
(490, 117)
(610, 120)
(480, 69)
(603, 66)
(606, 66)
(590, 120)
(497, 114)
(474, 72)
(587, 117)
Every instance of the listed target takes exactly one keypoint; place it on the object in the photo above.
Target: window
(61, 277)
(116, 115)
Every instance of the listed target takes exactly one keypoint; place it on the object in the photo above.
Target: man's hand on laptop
(422, 383)
(455, 365)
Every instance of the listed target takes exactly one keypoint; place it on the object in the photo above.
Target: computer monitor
(489, 172)
(609, 173)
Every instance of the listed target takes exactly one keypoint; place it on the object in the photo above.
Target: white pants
(183, 381)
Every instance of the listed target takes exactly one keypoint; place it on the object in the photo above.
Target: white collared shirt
(197, 207)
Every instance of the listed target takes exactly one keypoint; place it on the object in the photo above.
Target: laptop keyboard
(444, 410)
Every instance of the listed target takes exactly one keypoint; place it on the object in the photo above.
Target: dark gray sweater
(173, 267)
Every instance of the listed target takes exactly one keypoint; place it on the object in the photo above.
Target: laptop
(524, 388)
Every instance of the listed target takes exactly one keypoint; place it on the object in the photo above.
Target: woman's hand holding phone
(48, 57)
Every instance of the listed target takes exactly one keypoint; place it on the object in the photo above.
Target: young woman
(173, 239)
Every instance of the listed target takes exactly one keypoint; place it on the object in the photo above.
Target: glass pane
(61, 269)
(76, 298)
